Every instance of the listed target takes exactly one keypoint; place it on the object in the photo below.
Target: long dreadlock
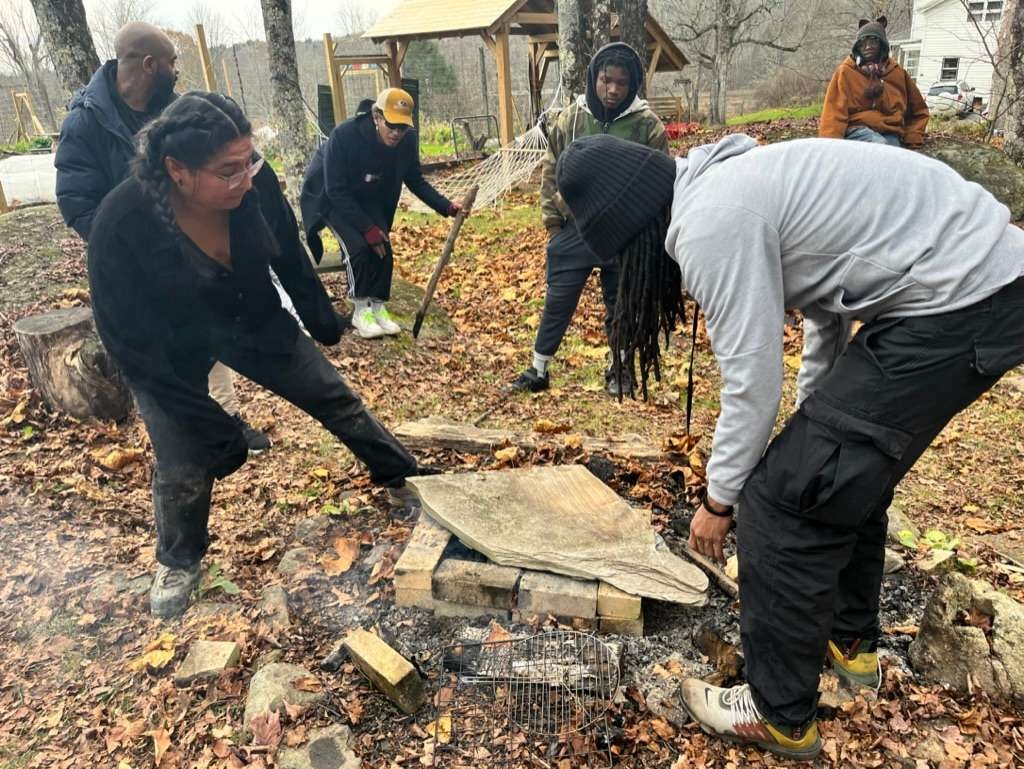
(650, 302)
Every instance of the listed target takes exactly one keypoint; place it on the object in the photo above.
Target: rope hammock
(498, 173)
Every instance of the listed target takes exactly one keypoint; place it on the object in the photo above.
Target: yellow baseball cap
(396, 105)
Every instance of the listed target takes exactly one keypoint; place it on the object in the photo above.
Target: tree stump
(69, 366)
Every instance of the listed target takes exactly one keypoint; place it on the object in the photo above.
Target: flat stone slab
(275, 684)
(326, 749)
(206, 660)
(562, 520)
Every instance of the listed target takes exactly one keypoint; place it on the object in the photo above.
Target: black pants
(569, 264)
(369, 275)
(181, 487)
(812, 516)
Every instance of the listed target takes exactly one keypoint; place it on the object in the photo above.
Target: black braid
(650, 302)
(191, 130)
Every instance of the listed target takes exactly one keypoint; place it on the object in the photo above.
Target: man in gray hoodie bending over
(932, 267)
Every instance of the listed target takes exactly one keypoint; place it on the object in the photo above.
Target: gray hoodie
(839, 230)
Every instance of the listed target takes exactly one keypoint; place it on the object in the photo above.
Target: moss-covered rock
(986, 165)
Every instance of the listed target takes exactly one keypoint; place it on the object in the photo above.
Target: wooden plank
(527, 17)
(403, 49)
(653, 66)
(227, 79)
(4, 208)
(548, 37)
(334, 80)
(506, 133)
(394, 65)
(435, 433)
(431, 19)
(204, 57)
(489, 41)
(379, 59)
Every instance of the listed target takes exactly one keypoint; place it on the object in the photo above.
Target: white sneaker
(383, 318)
(365, 324)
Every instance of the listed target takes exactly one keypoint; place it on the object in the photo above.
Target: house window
(950, 68)
(911, 60)
(985, 10)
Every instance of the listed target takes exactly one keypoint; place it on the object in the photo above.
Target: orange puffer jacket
(899, 110)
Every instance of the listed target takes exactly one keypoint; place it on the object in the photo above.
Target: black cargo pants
(811, 524)
(182, 487)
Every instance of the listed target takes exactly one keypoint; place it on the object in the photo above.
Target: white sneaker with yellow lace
(365, 324)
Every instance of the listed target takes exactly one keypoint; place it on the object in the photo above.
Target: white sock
(376, 306)
(540, 363)
(359, 304)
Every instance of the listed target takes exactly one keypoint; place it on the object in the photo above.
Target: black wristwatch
(704, 503)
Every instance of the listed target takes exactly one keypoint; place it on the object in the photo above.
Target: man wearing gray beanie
(754, 231)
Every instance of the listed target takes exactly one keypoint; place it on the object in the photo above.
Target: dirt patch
(39, 256)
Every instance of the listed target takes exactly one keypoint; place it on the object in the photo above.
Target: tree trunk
(1014, 145)
(69, 367)
(632, 16)
(289, 110)
(68, 40)
(573, 50)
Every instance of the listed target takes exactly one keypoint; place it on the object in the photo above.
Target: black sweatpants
(182, 488)
(812, 517)
(569, 264)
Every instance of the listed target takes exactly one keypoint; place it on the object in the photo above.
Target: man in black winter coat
(97, 144)
(353, 185)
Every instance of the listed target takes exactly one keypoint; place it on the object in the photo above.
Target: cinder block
(632, 627)
(206, 660)
(468, 611)
(476, 584)
(543, 593)
(407, 596)
(415, 567)
(612, 602)
(388, 670)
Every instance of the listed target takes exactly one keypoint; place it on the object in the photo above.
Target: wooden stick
(467, 205)
(715, 571)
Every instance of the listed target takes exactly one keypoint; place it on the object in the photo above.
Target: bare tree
(355, 19)
(716, 30)
(583, 27)
(68, 40)
(289, 109)
(108, 16)
(21, 49)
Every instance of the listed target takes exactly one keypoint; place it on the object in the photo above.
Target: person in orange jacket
(871, 98)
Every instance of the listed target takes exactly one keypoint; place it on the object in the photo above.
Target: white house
(952, 41)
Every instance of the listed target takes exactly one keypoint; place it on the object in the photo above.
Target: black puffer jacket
(354, 181)
(164, 320)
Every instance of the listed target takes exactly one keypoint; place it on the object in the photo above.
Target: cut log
(439, 433)
(69, 366)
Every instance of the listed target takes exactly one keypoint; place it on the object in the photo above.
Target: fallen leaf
(496, 634)
(441, 729)
(347, 550)
(117, 459)
(307, 684)
(222, 748)
(663, 728)
(547, 426)
(507, 455)
(980, 525)
(266, 729)
(157, 653)
(161, 742)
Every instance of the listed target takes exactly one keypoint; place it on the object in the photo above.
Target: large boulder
(986, 165)
(972, 635)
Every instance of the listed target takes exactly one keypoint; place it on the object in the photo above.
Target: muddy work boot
(618, 385)
(732, 715)
(172, 589)
(856, 664)
(403, 498)
(530, 381)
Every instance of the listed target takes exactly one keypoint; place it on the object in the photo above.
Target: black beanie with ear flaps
(614, 189)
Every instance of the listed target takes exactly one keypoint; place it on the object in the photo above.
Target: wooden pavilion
(495, 21)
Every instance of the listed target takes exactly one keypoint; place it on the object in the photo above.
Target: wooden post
(204, 58)
(395, 64)
(337, 92)
(22, 132)
(505, 109)
(4, 208)
(227, 78)
(653, 66)
(534, 72)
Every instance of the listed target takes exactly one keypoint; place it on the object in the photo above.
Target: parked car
(950, 99)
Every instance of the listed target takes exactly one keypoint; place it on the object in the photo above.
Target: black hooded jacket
(164, 312)
(354, 182)
(95, 149)
(616, 54)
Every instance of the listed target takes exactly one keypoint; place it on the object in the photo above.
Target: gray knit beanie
(614, 189)
(874, 28)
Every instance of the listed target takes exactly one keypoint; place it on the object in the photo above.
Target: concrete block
(388, 670)
(468, 611)
(543, 593)
(612, 602)
(631, 627)
(476, 584)
(407, 596)
(206, 660)
(415, 567)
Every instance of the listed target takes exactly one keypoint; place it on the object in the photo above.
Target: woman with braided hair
(751, 232)
(179, 271)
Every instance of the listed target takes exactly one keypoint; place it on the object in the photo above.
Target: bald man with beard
(97, 144)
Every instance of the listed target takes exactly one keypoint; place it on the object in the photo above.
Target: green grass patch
(776, 113)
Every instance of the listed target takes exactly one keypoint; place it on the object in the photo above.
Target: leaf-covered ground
(87, 673)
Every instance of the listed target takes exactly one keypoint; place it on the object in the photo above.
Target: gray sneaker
(403, 498)
(172, 589)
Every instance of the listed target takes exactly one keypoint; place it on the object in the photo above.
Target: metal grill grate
(539, 701)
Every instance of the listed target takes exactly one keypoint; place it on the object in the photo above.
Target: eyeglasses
(235, 180)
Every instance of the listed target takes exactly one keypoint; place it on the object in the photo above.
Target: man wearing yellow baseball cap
(353, 185)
